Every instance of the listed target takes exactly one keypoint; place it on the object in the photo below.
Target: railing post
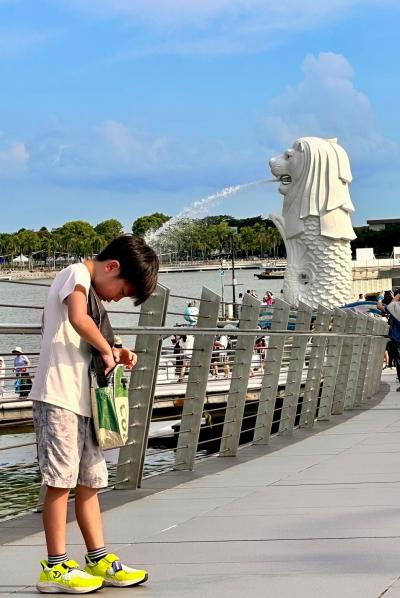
(365, 363)
(197, 383)
(314, 373)
(240, 377)
(344, 366)
(384, 332)
(332, 362)
(372, 362)
(272, 370)
(295, 369)
(354, 369)
(141, 391)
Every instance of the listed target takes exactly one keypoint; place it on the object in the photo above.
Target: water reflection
(20, 477)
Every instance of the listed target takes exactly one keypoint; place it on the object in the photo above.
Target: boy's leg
(59, 573)
(182, 372)
(55, 519)
(56, 433)
(88, 516)
(92, 476)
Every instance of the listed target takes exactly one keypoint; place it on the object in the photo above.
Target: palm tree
(28, 241)
(247, 239)
(275, 238)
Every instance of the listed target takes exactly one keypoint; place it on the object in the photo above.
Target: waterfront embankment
(27, 274)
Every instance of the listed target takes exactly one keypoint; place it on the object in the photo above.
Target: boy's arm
(85, 326)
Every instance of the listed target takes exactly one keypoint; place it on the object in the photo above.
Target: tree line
(193, 239)
(210, 237)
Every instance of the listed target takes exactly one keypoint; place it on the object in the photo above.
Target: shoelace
(73, 571)
(68, 568)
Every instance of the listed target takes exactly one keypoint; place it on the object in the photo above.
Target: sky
(121, 108)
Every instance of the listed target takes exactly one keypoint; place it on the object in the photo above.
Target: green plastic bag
(110, 408)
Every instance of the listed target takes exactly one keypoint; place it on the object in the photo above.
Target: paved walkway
(313, 515)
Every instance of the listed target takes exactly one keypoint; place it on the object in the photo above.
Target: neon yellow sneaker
(114, 573)
(67, 577)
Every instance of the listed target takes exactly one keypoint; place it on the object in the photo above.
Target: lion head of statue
(314, 179)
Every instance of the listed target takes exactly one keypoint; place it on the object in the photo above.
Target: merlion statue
(315, 223)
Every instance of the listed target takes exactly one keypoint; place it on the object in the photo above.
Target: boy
(68, 453)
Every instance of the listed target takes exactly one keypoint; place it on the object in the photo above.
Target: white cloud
(257, 13)
(13, 159)
(327, 104)
(216, 26)
(117, 156)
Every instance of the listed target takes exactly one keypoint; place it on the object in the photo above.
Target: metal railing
(312, 366)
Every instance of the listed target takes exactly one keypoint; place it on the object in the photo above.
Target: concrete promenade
(316, 514)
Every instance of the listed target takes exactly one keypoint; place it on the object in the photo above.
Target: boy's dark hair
(139, 264)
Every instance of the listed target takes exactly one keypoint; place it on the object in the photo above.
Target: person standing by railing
(186, 352)
(220, 356)
(394, 309)
(20, 361)
(68, 453)
(23, 383)
(191, 313)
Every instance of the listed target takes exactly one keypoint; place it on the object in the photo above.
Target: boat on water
(272, 272)
(5, 277)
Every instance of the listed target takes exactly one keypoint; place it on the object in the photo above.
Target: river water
(187, 284)
(17, 468)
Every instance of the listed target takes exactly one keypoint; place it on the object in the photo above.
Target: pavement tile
(316, 514)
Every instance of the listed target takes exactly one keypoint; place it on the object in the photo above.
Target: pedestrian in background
(394, 310)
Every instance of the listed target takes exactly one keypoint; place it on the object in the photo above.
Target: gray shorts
(68, 452)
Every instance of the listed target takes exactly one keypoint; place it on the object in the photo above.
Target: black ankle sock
(56, 559)
(96, 555)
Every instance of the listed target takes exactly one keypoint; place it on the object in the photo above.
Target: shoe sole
(125, 584)
(56, 588)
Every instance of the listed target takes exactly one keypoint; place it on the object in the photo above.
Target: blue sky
(119, 108)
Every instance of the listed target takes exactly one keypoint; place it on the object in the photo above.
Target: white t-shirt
(62, 376)
(394, 309)
(187, 346)
(223, 340)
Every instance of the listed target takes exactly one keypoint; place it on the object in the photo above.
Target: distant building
(381, 224)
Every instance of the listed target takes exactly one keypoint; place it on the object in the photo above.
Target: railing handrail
(304, 373)
(187, 330)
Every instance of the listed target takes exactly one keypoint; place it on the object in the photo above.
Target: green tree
(248, 239)
(145, 224)
(11, 244)
(274, 238)
(109, 229)
(223, 234)
(28, 242)
(48, 243)
(98, 242)
(75, 237)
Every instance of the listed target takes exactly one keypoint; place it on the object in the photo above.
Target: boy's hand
(125, 357)
(109, 362)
